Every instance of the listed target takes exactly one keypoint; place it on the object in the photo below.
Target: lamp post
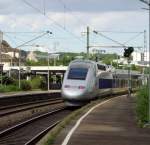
(1, 40)
(19, 68)
(48, 71)
(48, 63)
(25, 44)
(147, 2)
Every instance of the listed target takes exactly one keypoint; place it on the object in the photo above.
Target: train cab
(79, 82)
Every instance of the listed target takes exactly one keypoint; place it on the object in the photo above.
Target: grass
(142, 105)
(9, 88)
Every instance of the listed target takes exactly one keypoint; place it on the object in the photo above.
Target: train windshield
(78, 73)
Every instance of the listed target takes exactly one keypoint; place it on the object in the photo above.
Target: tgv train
(84, 80)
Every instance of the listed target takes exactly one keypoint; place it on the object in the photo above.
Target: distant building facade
(138, 58)
(32, 56)
(9, 56)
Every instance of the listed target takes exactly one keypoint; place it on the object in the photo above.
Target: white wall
(137, 56)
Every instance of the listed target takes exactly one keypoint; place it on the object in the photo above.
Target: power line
(105, 31)
(66, 7)
(24, 32)
(44, 9)
(11, 39)
(96, 32)
(144, 1)
(34, 39)
(133, 38)
(24, 42)
(56, 23)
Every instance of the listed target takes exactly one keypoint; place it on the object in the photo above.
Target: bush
(43, 84)
(35, 82)
(8, 88)
(142, 105)
(38, 82)
(7, 80)
(25, 85)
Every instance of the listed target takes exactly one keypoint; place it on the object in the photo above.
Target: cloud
(124, 20)
(26, 6)
(76, 21)
(106, 20)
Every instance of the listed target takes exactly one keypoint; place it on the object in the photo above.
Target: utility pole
(19, 68)
(149, 65)
(129, 77)
(127, 53)
(88, 33)
(147, 2)
(145, 45)
(1, 46)
(48, 72)
(144, 61)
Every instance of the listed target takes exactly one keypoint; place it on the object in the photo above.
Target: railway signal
(128, 51)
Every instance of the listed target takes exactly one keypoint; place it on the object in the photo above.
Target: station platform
(111, 123)
(11, 94)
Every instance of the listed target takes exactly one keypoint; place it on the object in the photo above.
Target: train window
(101, 67)
(78, 73)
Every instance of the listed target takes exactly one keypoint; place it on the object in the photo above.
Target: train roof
(86, 61)
(83, 61)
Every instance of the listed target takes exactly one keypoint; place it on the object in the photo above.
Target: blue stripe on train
(106, 83)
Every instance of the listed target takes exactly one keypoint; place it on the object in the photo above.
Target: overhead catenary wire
(23, 32)
(55, 22)
(24, 42)
(122, 44)
(107, 31)
(16, 38)
(117, 42)
(44, 8)
(11, 39)
(133, 38)
(69, 9)
(34, 39)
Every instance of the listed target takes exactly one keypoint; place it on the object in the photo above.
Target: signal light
(128, 51)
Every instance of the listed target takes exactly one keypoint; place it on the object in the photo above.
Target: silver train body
(82, 82)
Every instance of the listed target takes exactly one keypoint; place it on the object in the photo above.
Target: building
(32, 56)
(137, 58)
(98, 51)
(9, 56)
(141, 59)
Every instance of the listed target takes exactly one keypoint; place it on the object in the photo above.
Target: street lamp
(48, 63)
(147, 2)
(25, 44)
(1, 40)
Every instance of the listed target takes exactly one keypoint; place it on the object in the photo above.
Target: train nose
(73, 92)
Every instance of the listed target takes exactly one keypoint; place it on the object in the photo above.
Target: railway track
(30, 131)
(27, 106)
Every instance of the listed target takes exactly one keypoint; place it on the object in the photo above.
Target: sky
(68, 19)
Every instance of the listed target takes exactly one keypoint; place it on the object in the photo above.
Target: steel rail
(35, 139)
(28, 103)
(29, 108)
(22, 124)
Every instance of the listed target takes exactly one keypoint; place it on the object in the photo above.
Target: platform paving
(113, 123)
(10, 94)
